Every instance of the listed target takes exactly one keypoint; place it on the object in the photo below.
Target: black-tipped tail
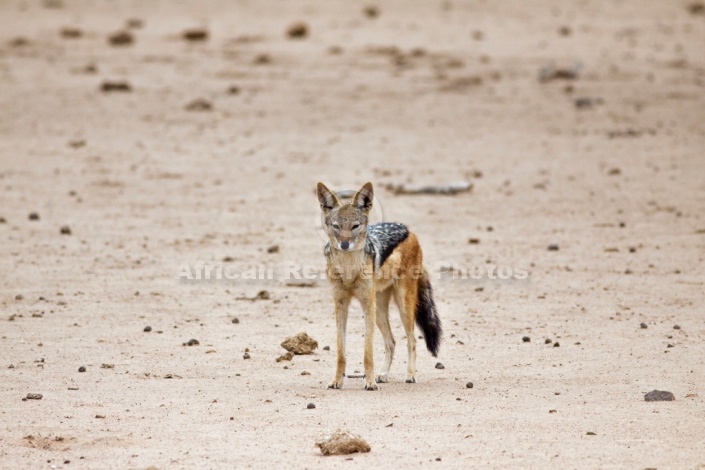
(427, 317)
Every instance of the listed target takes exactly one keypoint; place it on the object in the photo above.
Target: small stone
(65, 230)
(71, 33)
(632, 249)
(305, 372)
(644, 326)
(297, 31)
(234, 90)
(676, 327)
(115, 86)
(474, 241)
(232, 418)
(246, 356)
(547, 341)
(590, 433)
(286, 357)
(19, 297)
(107, 366)
(326, 348)
(121, 38)
(659, 395)
(273, 249)
(439, 365)
(192, 342)
(33, 216)
(195, 34)
(99, 416)
(526, 339)
(199, 105)
(82, 369)
(147, 329)
(556, 344)
(469, 385)
(552, 247)
(236, 320)
(311, 406)
(34, 396)
(371, 11)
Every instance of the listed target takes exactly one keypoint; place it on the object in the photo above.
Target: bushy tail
(427, 316)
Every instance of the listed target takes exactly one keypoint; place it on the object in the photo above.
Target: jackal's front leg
(342, 302)
(370, 306)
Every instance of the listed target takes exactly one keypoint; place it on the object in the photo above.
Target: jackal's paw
(411, 380)
(371, 386)
(382, 378)
(335, 384)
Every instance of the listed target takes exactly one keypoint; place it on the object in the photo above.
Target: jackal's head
(346, 224)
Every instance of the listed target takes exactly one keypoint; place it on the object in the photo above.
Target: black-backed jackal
(373, 264)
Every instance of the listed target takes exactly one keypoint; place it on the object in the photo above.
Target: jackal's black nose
(344, 245)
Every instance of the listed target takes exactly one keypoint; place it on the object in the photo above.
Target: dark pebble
(659, 395)
(552, 247)
(82, 369)
(34, 396)
(33, 216)
(556, 344)
(236, 320)
(192, 342)
(326, 348)
(111, 86)
(246, 356)
(195, 35)
(439, 365)
(469, 385)
(676, 327)
(297, 31)
(474, 241)
(65, 230)
(526, 339)
(644, 326)
(632, 249)
(121, 38)
(548, 341)
(147, 329)
(232, 418)
(273, 249)
(310, 406)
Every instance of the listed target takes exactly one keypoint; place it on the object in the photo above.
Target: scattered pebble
(526, 339)
(34, 396)
(121, 38)
(246, 356)
(236, 320)
(297, 31)
(474, 241)
(262, 59)
(195, 34)
(676, 327)
(311, 406)
(199, 105)
(326, 348)
(305, 372)
(99, 416)
(191, 342)
(134, 23)
(147, 329)
(590, 433)
(469, 385)
(273, 249)
(113, 86)
(552, 247)
(547, 341)
(285, 357)
(659, 395)
(234, 90)
(71, 33)
(107, 366)
(371, 11)
(82, 369)
(33, 216)
(65, 230)
(696, 8)
(556, 344)
(342, 442)
(644, 326)
(439, 365)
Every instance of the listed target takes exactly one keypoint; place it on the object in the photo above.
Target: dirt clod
(659, 395)
(371, 11)
(285, 357)
(300, 344)
(341, 443)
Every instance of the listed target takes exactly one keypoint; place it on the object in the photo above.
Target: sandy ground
(426, 92)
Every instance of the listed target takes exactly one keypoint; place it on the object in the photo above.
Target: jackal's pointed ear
(327, 198)
(363, 198)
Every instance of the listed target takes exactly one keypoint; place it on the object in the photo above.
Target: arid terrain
(140, 140)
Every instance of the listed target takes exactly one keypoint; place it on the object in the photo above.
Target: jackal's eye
(356, 226)
(336, 227)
